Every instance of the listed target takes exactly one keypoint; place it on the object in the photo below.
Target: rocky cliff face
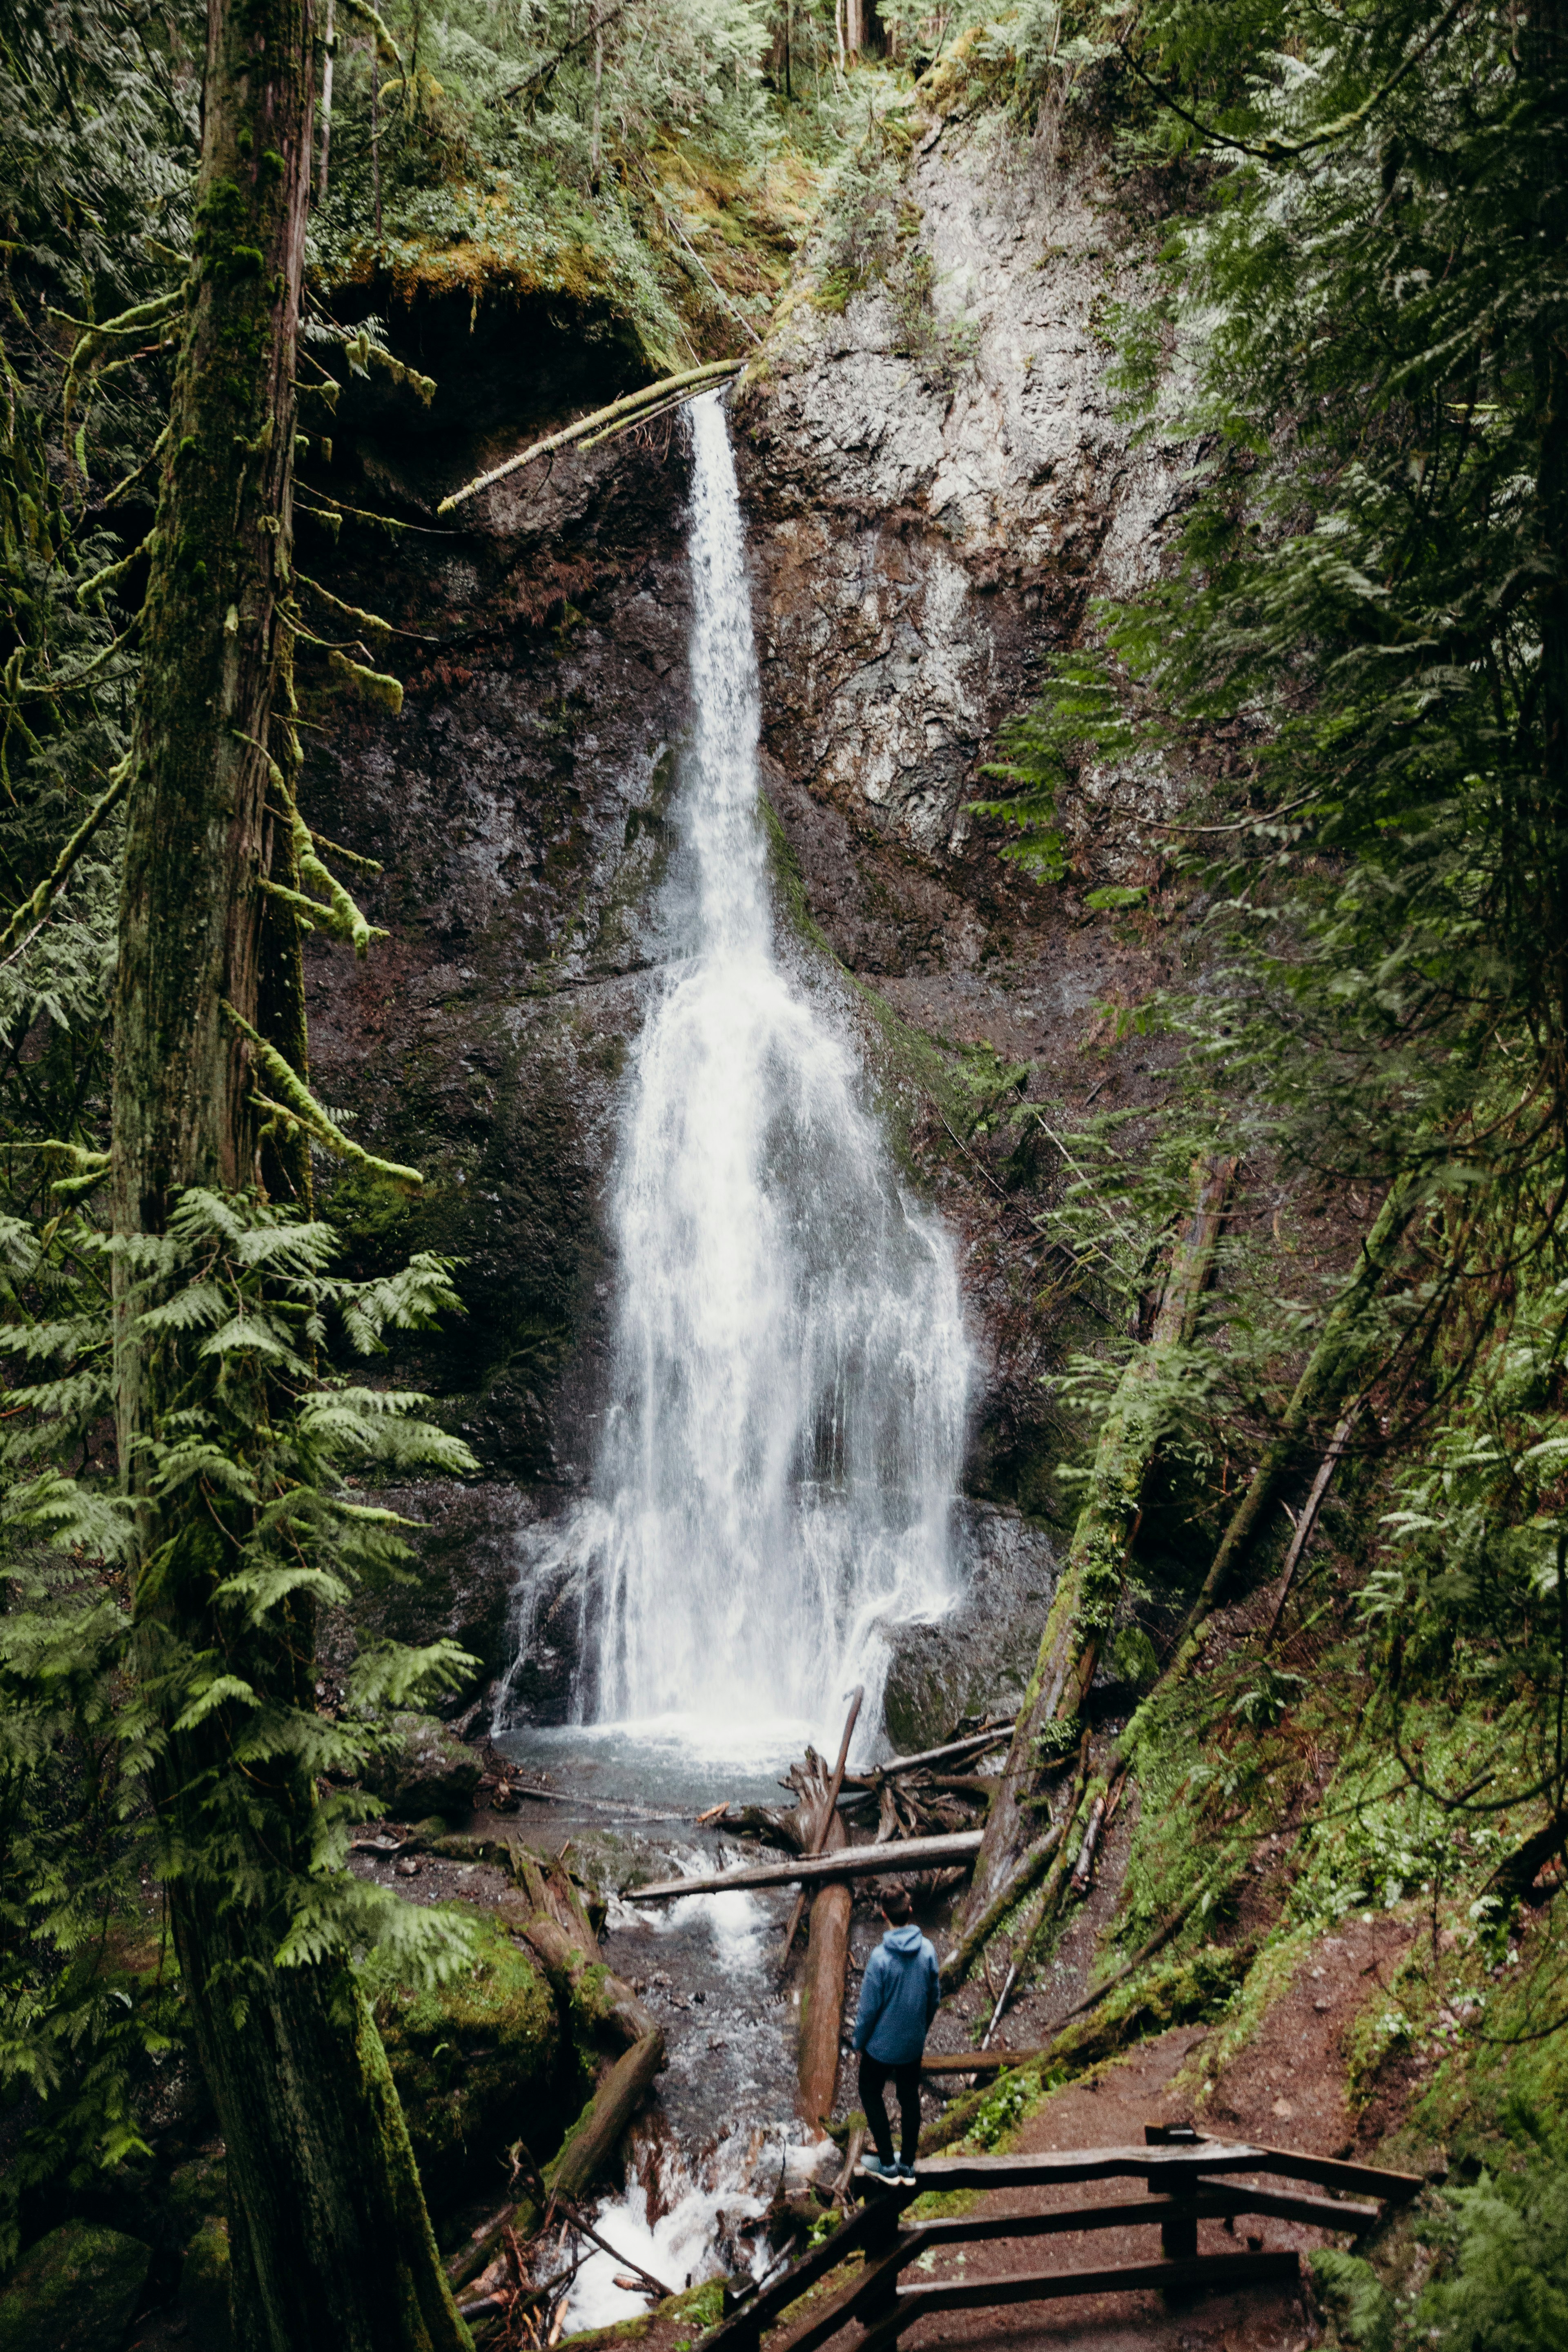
(925, 533)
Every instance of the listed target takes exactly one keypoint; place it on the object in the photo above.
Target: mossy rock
(198, 2191)
(478, 2059)
(425, 1769)
(75, 2290)
(203, 2288)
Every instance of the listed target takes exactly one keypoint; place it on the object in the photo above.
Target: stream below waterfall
(778, 1460)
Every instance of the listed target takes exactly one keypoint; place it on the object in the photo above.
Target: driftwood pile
(924, 1821)
(515, 2267)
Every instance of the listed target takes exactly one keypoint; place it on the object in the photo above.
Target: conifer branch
(301, 1107)
(33, 910)
(1284, 150)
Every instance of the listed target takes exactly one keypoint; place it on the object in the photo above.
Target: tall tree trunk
(1090, 1582)
(1543, 53)
(331, 2246)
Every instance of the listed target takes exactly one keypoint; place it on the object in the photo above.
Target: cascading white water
(780, 1460)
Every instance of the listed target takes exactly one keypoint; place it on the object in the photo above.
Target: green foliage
(264, 1438)
(97, 111)
(1361, 253)
(470, 2053)
(1507, 2290)
(1003, 2109)
(1361, 2303)
(525, 145)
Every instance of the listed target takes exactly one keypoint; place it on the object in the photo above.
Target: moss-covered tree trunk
(1091, 1577)
(330, 2242)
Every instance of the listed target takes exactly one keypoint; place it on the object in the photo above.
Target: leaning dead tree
(1015, 1850)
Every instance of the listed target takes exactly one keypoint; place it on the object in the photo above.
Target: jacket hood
(903, 1939)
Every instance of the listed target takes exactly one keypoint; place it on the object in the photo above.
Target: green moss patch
(75, 2290)
(475, 2056)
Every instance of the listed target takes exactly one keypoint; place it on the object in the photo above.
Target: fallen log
(822, 2000)
(957, 1964)
(1091, 1581)
(1337, 1364)
(596, 2134)
(1302, 1535)
(823, 1833)
(978, 2062)
(827, 1950)
(1046, 1901)
(602, 2003)
(691, 381)
(974, 1743)
(903, 1860)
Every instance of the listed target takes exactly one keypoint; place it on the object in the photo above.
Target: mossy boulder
(480, 2059)
(203, 2288)
(198, 2191)
(75, 2290)
(425, 1769)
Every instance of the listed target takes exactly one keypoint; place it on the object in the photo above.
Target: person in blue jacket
(899, 1996)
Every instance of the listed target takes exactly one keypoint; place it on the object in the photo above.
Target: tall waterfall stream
(780, 1455)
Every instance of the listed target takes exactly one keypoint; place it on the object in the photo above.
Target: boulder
(75, 2290)
(196, 2192)
(425, 1769)
(478, 2059)
(204, 2288)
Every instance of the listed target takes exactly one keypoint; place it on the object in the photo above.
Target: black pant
(906, 2080)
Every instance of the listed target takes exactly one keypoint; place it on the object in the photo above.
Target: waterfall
(780, 1459)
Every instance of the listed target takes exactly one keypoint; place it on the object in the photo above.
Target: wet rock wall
(923, 535)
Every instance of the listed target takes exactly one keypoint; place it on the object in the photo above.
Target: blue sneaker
(906, 2173)
(875, 2170)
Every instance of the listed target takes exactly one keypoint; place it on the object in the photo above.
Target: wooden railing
(1189, 2179)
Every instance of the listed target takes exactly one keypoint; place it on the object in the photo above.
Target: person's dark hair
(896, 1904)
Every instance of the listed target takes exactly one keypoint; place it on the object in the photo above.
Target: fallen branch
(1049, 1895)
(819, 1838)
(1092, 1577)
(1335, 1360)
(903, 1860)
(1308, 1518)
(29, 916)
(975, 1744)
(1162, 1935)
(960, 1960)
(712, 373)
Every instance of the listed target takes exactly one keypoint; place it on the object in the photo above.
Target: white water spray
(781, 1457)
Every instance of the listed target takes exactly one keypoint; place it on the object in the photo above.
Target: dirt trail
(1287, 2086)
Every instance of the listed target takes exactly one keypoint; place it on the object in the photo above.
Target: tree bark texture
(1090, 1583)
(828, 1945)
(331, 2247)
(822, 2000)
(199, 837)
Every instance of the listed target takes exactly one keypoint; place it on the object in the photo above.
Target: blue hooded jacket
(899, 1994)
